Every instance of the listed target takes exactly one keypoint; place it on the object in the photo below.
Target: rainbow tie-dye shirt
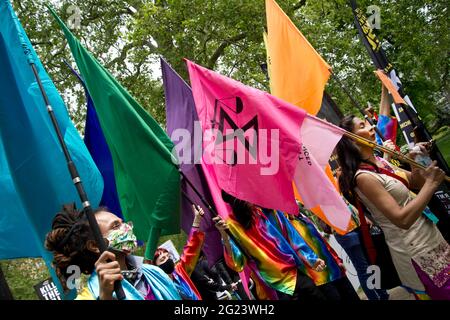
(272, 256)
(314, 239)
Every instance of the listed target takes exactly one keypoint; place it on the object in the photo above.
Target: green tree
(128, 37)
(226, 35)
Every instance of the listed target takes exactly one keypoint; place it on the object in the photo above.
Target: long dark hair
(349, 159)
(242, 210)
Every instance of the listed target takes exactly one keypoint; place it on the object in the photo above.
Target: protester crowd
(396, 235)
(269, 254)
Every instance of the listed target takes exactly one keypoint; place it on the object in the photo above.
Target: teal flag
(34, 178)
(147, 178)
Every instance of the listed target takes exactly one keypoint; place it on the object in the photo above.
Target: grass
(22, 275)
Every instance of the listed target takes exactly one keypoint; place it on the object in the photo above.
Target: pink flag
(320, 138)
(223, 209)
(315, 188)
(251, 140)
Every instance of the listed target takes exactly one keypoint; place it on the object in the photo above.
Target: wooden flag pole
(365, 142)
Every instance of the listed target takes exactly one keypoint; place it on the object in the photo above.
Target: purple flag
(183, 127)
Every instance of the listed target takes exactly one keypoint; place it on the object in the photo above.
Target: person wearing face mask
(181, 271)
(72, 243)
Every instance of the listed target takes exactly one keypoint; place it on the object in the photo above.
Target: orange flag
(298, 74)
(390, 86)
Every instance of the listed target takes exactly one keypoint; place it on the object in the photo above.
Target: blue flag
(32, 167)
(13, 239)
(98, 148)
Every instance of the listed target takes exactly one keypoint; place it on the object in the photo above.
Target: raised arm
(385, 102)
(234, 257)
(194, 244)
(402, 217)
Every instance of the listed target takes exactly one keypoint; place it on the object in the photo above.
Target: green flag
(148, 181)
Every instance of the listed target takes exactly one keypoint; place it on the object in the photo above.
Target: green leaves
(227, 36)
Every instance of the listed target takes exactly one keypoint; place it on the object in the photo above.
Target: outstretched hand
(198, 215)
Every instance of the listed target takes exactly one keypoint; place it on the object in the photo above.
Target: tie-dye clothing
(321, 247)
(263, 291)
(186, 291)
(388, 128)
(275, 260)
(160, 286)
(304, 250)
(186, 265)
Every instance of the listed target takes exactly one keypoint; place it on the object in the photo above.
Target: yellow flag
(298, 74)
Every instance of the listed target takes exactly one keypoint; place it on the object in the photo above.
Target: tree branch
(299, 5)
(40, 43)
(219, 51)
(122, 56)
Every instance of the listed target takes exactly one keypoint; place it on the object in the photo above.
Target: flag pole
(187, 197)
(365, 142)
(202, 199)
(358, 106)
(208, 205)
(76, 180)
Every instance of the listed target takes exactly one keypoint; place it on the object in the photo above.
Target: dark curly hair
(68, 242)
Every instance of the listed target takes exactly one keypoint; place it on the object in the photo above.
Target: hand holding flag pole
(203, 200)
(365, 142)
(76, 180)
(207, 204)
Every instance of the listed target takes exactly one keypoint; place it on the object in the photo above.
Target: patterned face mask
(123, 238)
